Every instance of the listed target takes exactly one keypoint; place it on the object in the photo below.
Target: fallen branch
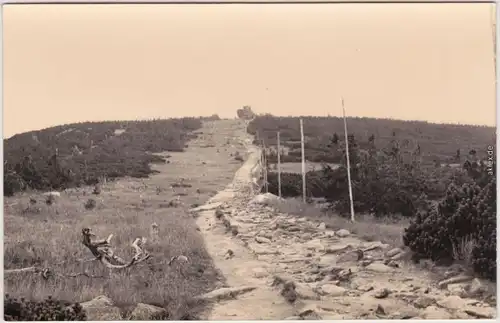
(102, 251)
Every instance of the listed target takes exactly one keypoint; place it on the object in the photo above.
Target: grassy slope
(89, 150)
(437, 141)
(50, 235)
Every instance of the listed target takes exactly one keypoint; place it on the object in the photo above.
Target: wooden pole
(348, 162)
(303, 161)
(265, 167)
(279, 164)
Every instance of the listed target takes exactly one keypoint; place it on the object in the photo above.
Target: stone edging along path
(279, 266)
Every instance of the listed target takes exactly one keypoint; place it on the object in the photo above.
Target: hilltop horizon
(408, 61)
(258, 113)
(262, 114)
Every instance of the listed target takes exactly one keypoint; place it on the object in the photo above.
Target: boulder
(101, 308)
(393, 252)
(452, 302)
(342, 233)
(481, 312)
(379, 268)
(265, 199)
(333, 290)
(146, 312)
(53, 194)
(225, 293)
(435, 313)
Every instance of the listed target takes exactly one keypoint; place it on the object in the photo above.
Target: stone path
(283, 267)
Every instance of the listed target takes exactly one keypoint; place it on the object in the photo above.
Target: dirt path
(297, 269)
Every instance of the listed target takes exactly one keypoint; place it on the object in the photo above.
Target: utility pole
(303, 161)
(266, 188)
(348, 162)
(279, 164)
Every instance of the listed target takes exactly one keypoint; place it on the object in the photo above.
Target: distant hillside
(81, 153)
(438, 142)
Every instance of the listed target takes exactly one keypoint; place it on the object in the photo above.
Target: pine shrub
(90, 204)
(291, 184)
(47, 310)
(465, 212)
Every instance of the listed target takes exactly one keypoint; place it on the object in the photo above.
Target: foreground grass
(50, 236)
(369, 228)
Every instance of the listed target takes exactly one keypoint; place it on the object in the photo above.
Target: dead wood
(102, 252)
(101, 249)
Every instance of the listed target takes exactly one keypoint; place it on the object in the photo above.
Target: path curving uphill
(240, 267)
(278, 266)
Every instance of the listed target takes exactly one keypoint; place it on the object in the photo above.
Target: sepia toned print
(242, 162)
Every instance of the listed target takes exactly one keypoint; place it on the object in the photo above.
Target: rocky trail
(279, 266)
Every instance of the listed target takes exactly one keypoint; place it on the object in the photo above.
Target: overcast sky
(70, 63)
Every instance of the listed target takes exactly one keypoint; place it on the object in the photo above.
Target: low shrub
(47, 310)
(50, 199)
(90, 204)
(467, 212)
(291, 184)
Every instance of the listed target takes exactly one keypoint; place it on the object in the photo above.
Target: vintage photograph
(249, 161)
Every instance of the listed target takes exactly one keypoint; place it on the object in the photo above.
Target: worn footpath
(278, 266)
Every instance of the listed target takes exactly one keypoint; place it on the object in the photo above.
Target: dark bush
(291, 184)
(465, 212)
(90, 204)
(484, 255)
(50, 199)
(47, 310)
